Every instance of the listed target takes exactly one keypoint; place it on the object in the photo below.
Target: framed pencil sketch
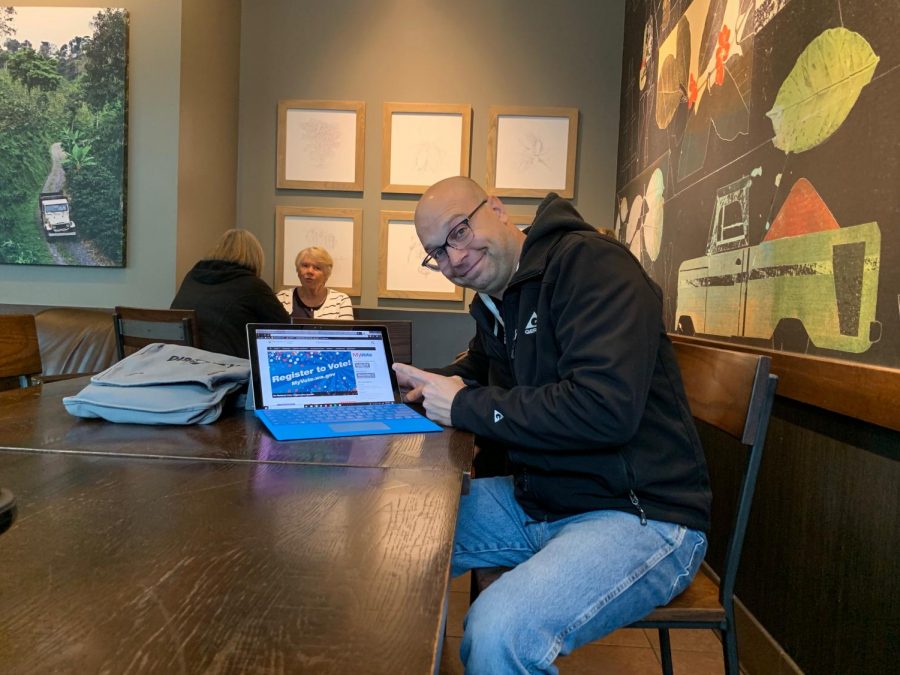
(521, 220)
(531, 151)
(401, 274)
(338, 231)
(321, 145)
(423, 143)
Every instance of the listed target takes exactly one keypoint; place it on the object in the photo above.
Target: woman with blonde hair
(312, 299)
(225, 290)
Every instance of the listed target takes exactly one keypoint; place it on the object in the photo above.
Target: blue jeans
(573, 580)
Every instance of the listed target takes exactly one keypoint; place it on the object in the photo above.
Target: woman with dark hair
(225, 290)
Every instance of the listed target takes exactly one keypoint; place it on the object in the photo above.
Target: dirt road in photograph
(67, 250)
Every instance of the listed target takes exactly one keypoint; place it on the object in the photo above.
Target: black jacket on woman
(226, 297)
(579, 383)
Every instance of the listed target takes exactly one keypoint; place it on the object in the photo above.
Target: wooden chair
(399, 333)
(20, 355)
(137, 327)
(733, 392)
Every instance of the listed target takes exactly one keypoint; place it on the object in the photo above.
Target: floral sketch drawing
(320, 145)
(320, 140)
(424, 147)
(532, 152)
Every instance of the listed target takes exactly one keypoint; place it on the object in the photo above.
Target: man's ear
(498, 208)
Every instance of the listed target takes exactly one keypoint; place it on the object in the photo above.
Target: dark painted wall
(437, 337)
(819, 569)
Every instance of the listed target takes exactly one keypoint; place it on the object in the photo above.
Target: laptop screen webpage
(304, 366)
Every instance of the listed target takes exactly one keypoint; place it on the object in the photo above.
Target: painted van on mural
(809, 281)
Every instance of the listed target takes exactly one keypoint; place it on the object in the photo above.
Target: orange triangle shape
(802, 212)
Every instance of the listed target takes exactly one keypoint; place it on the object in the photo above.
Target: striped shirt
(336, 306)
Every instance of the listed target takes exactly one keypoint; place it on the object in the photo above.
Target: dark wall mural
(759, 170)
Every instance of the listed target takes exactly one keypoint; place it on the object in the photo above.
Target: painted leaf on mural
(821, 89)
(715, 18)
(668, 95)
(673, 78)
(647, 54)
(653, 220)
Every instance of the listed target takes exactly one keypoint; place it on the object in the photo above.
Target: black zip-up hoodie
(226, 297)
(582, 387)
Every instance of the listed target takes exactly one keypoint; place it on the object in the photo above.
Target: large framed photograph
(321, 145)
(531, 151)
(63, 84)
(401, 274)
(338, 231)
(423, 143)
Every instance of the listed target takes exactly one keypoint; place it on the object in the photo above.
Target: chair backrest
(20, 354)
(137, 327)
(399, 333)
(75, 341)
(734, 392)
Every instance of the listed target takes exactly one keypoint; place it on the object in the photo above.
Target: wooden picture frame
(339, 231)
(521, 220)
(400, 272)
(321, 145)
(423, 143)
(531, 151)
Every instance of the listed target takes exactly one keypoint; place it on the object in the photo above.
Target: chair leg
(665, 651)
(729, 647)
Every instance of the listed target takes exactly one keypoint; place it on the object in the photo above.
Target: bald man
(572, 374)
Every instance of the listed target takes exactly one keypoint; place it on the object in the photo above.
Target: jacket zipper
(631, 496)
(637, 505)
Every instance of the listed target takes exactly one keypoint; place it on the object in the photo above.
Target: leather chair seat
(74, 340)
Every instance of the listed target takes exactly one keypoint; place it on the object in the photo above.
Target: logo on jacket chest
(531, 326)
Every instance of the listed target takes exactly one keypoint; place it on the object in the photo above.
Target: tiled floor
(629, 651)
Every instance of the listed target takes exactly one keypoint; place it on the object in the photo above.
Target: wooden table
(136, 564)
(35, 419)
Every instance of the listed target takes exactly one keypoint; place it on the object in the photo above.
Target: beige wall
(481, 52)
(153, 102)
(207, 157)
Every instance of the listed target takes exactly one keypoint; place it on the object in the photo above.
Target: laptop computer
(315, 381)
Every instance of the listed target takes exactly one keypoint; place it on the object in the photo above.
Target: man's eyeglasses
(458, 237)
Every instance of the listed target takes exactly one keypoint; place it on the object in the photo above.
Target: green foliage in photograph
(6, 14)
(13, 252)
(33, 70)
(25, 133)
(97, 208)
(104, 77)
(78, 158)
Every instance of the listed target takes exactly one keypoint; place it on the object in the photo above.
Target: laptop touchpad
(359, 426)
